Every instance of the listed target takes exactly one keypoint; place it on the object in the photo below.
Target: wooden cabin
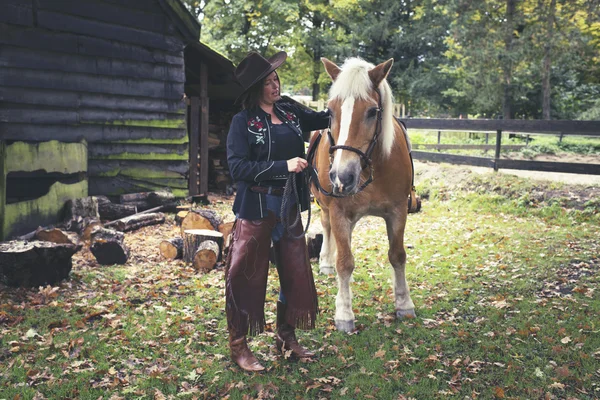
(126, 80)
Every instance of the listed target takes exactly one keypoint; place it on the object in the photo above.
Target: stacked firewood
(203, 240)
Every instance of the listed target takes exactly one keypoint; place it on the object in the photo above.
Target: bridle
(365, 157)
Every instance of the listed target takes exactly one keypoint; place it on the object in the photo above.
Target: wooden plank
(16, 12)
(547, 166)
(92, 133)
(106, 12)
(204, 129)
(587, 128)
(467, 146)
(113, 186)
(37, 116)
(87, 115)
(73, 24)
(39, 39)
(16, 57)
(90, 83)
(453, 159)
(2, 187)
(68, 99)
(194, 143)
(51, 156)
(138, 169)
(125, 151)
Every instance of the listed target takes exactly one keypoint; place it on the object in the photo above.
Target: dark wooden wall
(109, 71)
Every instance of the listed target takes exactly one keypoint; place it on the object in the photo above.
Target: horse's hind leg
(395, 228)
(342, 231)
(328, 249)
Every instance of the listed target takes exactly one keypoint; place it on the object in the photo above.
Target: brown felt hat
(255, 67)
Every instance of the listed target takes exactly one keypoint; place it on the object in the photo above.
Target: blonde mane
(354, 81)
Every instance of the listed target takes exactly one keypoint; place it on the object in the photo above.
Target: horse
(363, 168)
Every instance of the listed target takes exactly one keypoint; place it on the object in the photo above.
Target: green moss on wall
(179, 140)
(151, 123)
(25, 216)
(138, 173)
(2, 187)
(51, 156)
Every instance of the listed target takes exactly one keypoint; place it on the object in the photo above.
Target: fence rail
(562, 128)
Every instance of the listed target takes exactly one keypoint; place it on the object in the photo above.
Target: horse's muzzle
(345, 181)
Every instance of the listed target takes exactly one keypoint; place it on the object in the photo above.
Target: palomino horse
(365, 144)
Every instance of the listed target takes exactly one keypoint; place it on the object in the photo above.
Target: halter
(365, 157)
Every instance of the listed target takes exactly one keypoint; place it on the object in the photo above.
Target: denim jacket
(250, 158)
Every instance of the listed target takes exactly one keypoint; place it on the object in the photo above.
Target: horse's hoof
(406, 314)
(344, 326)
(326, 270)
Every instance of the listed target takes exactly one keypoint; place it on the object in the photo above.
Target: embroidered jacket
(250, 153)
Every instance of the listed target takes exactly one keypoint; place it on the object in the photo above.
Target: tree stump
(193, 238)
(180, 216)
(110, 211)
(171, 249)
(108, 247)
(137, 221)
(56, 235)
(206, 256)
(200, 219)
(35, 263)
(86, 207)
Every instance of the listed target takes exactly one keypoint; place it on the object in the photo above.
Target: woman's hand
(296, 164)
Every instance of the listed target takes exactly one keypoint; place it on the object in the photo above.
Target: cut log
(206, 256)
(108, 247)
(137, 221)
(171, 249)
(225, 228)
(35, 263)
(110, 211)
(140, 200)
(180, 216)
(160, 198)
(192, 239)
(200, 219)
(86, 235)
(56, 235)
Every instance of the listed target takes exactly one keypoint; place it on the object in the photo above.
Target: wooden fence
(557, 128)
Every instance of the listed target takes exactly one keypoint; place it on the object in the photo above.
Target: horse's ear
(380, 72)
(332, 69)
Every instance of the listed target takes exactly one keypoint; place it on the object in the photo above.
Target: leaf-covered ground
(504, 277)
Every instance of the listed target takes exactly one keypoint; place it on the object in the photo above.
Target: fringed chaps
(296, 279)
(246, 275)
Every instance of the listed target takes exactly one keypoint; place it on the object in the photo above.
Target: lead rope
(291, 189)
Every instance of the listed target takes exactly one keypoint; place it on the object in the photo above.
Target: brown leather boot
(286, 336)
(241, 354)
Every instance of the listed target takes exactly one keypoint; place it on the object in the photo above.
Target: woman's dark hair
(251, 99)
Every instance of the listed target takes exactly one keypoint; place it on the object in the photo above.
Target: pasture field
(503, 271)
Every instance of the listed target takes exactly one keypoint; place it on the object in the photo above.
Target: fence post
(498, 143)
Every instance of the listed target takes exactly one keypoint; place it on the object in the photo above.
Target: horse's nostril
(331, 176)
(347, 180)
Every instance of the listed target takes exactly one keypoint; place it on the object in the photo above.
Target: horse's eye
(372, 113)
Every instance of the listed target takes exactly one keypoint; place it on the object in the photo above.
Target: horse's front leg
(395, 224)
(341, 229)
(327, 255)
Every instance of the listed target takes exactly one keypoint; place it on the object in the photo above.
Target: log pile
(35, 263)
(146, 200)
(110, 211)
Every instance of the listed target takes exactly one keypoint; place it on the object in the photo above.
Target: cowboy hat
(255, 67)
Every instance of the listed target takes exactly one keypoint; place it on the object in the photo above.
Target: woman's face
(270, 93)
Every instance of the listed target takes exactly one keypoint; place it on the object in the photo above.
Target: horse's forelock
(354, 81)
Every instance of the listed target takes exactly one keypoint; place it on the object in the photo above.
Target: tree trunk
(108, 247)
(547, 62)
(172, 249)
(193, 238)
(138, 221)
(35, 263)
(507, 60)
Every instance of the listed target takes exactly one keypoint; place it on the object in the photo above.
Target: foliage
(452, 57)
(505, 280)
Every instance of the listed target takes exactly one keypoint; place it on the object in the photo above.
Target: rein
(365, 157)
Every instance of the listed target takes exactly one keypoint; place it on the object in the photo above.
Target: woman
(265, 144)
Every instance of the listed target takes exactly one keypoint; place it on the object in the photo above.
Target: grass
(505, 291)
